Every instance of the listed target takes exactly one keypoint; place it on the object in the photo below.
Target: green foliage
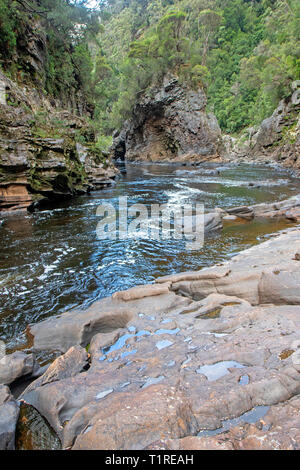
(244, 53)
(256, 60)
(104, 142)
(67, 27)
(9, 20)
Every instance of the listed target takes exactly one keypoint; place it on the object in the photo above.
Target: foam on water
(52, 261)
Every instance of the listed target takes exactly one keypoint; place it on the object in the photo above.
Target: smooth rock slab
(105, 316)
(243, 276)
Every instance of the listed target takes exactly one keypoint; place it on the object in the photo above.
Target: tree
(210, 21)
(169, 31)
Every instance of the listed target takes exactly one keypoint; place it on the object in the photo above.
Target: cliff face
(170, 123)
(277, 138)
(41, 156)
(279, 135)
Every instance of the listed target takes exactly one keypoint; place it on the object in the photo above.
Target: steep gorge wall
(170, 123)
(277, 138)
(47, 146)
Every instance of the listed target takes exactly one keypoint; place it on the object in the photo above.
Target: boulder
(212, 221)
(280, 286)
(243, 212)
(139, 292)
(16, 365)
(241, 277)
(74, 361)
(9, 413)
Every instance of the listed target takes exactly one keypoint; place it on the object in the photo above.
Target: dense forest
(244, 53)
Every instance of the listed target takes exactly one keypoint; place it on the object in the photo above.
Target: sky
(92, 3)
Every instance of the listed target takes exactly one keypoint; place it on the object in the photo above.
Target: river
(52, 261)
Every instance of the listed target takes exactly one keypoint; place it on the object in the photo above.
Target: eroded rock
(16, 365)
(79, 326)
(177, 367)
(9, 413)
(36, 169)
(170, 123)
(74, 361)
(244, 272)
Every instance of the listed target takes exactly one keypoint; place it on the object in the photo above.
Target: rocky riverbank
(171, 123)
(276, 139)
(175, 364)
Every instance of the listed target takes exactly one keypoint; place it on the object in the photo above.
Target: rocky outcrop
(104, 316)
(249, 275)
(288, 209)
(9, 413)
(40, 157)
(68, 365)
(177, 365)
(170, 123)
(276, 139)
(16, 365)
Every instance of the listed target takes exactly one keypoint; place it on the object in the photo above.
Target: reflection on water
(250, 417)
(52, 261)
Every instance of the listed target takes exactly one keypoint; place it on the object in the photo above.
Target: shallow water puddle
(217, 370)
(104, 394)
(216, 335)
(128, 353)
(244, 379)
(163, 344)
(125, 384)
(152, 381)
(121, 342)
(249, 417)
(170, 364)
(167, 332)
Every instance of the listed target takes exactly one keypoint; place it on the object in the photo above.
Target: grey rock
(277, 139)
(170, 123)
(70, 364)
(78, 327)
(16, 365)
(222, 320)
(243, 212)
(9, 413)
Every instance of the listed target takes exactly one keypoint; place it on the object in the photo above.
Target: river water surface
(52, 260)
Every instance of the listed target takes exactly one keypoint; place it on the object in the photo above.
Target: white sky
(92, 3)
